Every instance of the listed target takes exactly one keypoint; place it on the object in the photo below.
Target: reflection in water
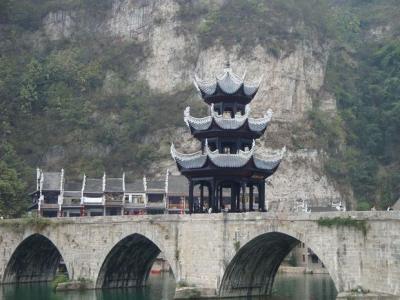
(162, 287)
(304, 287)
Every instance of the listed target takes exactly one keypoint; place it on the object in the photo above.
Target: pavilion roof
(228, 83)
(225, 160)
(255, 124)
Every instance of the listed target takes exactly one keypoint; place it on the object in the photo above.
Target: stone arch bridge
(217, 255)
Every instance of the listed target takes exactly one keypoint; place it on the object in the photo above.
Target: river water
(162, 287)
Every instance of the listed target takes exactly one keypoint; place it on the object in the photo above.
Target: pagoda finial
(227, 65)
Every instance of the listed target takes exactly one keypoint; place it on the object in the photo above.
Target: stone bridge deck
(218, 255)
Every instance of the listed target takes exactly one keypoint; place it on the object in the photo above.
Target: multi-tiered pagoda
(227, 159)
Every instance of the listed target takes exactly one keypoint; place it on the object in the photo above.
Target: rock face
(300, 177)
(291, 81)
(58, 25)
(129, 19)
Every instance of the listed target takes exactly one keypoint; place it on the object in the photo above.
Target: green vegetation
(79, 102)
(32, 222)
(236, 245)
(12, 187)
(61, 278)
(344, 222)
(276, 24)
(85, 283)
(182, 283)
(62, 283)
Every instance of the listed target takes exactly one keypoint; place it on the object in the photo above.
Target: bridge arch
(35, 259)
(129, 261)
(252, 270)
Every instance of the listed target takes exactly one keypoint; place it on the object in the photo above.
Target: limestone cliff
(292, 81)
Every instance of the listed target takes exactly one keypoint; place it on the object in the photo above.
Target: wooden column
(213, 196)
(191, 197)
(221, 202)
(261, 196)
(201, 197)
(233, 197)
(251, 195)
(209, 196)
(237, 197)
(243, 196)
(215, 202)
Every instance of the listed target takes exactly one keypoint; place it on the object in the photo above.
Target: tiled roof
(396, 206)
(155, 185)
(255, 124)
(236, 160)
(73, 186)
(271, 162)
(93, 185)
(228, 82)
(51, 181)
(114, 185)
(222, 160)
(196, 123)
(134, 187)
(231, 123)
(74, 194)
(188, 161)
(260, 124)
(178, 185)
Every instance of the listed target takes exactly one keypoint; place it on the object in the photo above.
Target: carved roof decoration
(188, 161)
(255, 124)
(270, 162)
(226, 160)
(228, 82)
(260, 124)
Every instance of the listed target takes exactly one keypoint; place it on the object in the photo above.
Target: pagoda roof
(201, 124)
(198, 160)
(228, 83)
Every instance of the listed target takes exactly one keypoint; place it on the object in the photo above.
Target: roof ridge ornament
(255, 124)
(228, 82)
(271, 162)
